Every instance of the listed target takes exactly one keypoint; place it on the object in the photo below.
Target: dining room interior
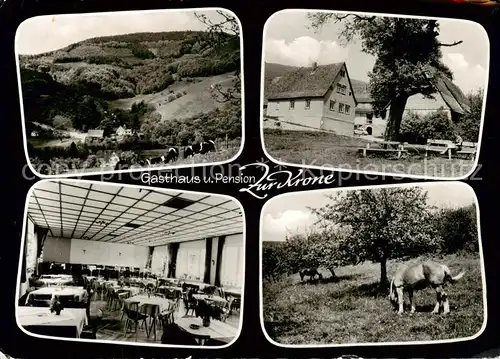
(108, 262)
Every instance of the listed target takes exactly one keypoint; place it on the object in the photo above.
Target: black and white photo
(138, 89)
(374, 93)
(377, 265)
(124, 264)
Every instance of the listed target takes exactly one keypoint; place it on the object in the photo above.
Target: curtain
(218, 271)
(173, 249)
(208, 260)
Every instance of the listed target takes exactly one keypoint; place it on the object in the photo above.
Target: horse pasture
(353, 310)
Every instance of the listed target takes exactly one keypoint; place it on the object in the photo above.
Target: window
(347, 109)
(308, 104)
(342, 73)
(369, 118)
(341, 89)
(341, 107)
(277, 106)
(332, 105)
(292, 104)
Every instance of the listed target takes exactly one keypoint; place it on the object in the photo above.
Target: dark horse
(310, 272)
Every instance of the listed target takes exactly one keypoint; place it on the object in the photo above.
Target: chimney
(314, 65)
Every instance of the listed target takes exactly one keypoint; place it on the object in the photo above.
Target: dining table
(216, 330)
(150, 305)
(39, 320)
(47, 293)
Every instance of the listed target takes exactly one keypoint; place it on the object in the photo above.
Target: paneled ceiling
(122, 214)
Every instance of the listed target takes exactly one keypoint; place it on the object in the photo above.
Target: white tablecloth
(80, 292)
(34, 316)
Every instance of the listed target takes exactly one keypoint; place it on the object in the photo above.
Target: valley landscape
(127, 97)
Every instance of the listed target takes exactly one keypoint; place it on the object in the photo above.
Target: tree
(61, 122)
(457, 228)
(404, 50)
(383, 224)
(469, 124)
(275, 263)
(223, 36)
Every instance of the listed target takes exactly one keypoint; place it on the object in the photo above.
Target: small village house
(122, 131)
(91, 134)
(447, 97)
(366, 118)
(318, 97)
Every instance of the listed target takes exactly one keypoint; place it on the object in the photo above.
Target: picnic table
(383, 147)
(217, 329)
(466, 149)
(68, 324)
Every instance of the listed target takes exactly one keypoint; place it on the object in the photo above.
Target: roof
(95, 133)
(451, 93)
(361, 90)
(304, 82)
(120, 129)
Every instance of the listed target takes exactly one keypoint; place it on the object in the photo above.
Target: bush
(418, 129)
(457, 228)
(62, 122)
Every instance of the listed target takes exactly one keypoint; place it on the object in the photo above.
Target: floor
(112, 328)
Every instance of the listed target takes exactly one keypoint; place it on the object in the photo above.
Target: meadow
(329, 150)
(352, 310)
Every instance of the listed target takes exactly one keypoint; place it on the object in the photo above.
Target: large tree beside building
(403, 48)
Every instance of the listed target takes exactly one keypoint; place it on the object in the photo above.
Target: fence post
(227, 141)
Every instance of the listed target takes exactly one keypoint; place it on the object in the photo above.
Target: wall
(79, 251)
(299, 114)
(378, 124)
(57, 250)
(340, 127)
(232, 270)
(103, 253)
(347, 99)
(159, 263)
(191, 260)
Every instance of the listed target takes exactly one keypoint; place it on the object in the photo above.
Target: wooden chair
(133, 316)
(189, 304)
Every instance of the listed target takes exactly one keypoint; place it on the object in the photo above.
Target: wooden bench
(440, 146)
(383, 146)
(469, 150)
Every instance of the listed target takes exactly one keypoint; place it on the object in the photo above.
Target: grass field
(329, 150)
(352, 310)
(197, 100)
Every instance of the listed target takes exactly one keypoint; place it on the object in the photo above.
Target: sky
(289, 41)
(47, 33)
(290, 213)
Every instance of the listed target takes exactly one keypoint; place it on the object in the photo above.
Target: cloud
(291, 220)
(303, 51)
(47, 33)
(468, 77)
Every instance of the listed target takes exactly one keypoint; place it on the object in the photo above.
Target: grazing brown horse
(419, 276)
(310, 272)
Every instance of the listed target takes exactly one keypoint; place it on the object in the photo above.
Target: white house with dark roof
(318, 97)
(447, 97)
